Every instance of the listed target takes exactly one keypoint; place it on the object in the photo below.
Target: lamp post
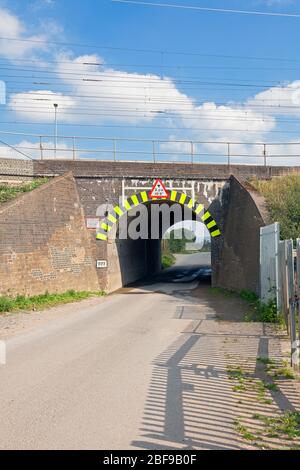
(55, 130)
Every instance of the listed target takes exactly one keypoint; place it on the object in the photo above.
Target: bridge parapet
(28, 169)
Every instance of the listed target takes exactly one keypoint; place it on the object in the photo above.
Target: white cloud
(217, 121)
(284, 100)
(22, 41)
(12, 27)
(103, 94)
(100, 94)
(136, 97)
(220, 119)
(39, 105)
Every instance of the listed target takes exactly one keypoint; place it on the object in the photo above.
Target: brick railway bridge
(46, 245)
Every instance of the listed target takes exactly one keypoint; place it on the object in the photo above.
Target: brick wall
(44, 243)
(16, 170)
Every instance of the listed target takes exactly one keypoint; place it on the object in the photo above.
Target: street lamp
(55, 133)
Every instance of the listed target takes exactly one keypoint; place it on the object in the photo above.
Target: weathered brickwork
(16, 170)
(44, 243)
(141, 170)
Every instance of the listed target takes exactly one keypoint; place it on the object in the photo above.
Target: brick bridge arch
(143, 198)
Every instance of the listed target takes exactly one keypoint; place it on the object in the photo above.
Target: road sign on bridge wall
(159, 191)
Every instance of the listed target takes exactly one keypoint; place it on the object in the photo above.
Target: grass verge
(44, 301)
(285, 425)
(7, 193)
(258, 312)
(271, 430)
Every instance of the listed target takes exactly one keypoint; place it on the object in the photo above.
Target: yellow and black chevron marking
(143, 197)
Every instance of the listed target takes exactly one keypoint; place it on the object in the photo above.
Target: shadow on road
(191, 403)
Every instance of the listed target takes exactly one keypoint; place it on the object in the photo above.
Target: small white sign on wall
(2, 353)
(92, 223)
(101, 264)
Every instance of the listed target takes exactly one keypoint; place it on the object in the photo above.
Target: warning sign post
(159, 191)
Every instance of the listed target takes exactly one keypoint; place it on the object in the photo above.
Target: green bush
(5, 304)
(265, 313)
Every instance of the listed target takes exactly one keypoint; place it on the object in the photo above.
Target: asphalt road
(107, 376)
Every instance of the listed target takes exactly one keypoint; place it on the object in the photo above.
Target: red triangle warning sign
(159, 191)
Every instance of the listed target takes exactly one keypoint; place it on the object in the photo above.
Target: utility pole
(55, 130)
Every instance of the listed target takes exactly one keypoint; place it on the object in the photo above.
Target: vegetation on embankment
(258, 312)
(282, 195)
(9, 192)
(44, 301)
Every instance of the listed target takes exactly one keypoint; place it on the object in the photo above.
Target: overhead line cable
(209, 9)
(153, 51)
(164, 66)
(148, 80)
(106, 73)
(135, 127)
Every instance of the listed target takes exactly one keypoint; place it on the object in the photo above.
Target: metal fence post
(298, 291)
(293, 305)
(293, 332)
(153, 150)
(284, 281)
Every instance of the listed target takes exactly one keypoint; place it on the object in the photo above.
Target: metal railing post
(74, 148)
(41, 148)
(228, 154)
(153, 149)
(192, 152)
(115, 150)
(265, 155)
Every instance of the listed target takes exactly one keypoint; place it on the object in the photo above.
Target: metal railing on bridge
(42, 147)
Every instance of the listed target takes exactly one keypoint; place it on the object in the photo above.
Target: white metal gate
(269, 268)
(280, 280)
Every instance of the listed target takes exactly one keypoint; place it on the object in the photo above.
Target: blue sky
(211, 91)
